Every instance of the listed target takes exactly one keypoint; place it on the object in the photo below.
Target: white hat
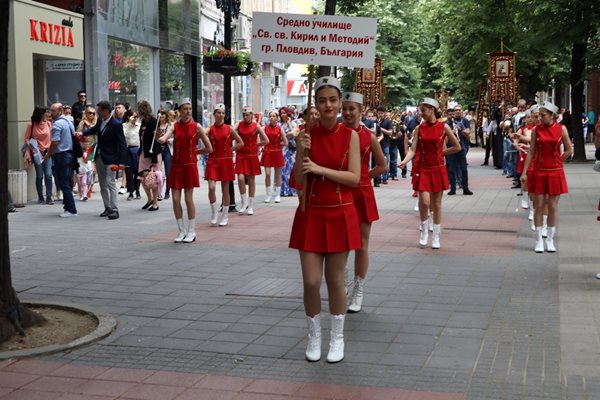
(535, 108)
(353, 97)
(328, 81)
(219, 106)
(247, 109)
(550, 107)
(185, 100)
(431, 102)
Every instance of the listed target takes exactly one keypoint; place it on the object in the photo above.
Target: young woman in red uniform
(431, 180)
(363, 194)
(183, 174)
(546, 181)
(246, 158)
(328, 228)
(522, 138)
(219, 166)
(272, 155)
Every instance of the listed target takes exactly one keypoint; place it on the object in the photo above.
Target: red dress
(184, 164)
(330, 223)
(547, 175)
(272, 155)
(246, 158)
(523, 155)
(219, 166)
(363, 194)
(432, 175)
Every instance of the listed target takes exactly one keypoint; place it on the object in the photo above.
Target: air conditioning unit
(277, 80)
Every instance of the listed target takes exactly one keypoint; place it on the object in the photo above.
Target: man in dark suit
(111, 154)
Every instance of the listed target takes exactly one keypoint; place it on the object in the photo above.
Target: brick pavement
(482, 318)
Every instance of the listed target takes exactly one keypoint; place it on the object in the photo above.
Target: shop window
(175, 78)
(130, 74)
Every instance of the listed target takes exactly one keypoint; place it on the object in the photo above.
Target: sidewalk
(482, 318)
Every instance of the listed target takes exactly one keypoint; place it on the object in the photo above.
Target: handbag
(149, 181)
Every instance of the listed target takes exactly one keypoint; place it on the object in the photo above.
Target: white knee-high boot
(424, 237)
(191, 232)
(277, 194)
(550, 239)
(435, 241)
(336, 341)
(539, 241)
(269, 194)
(244, 203)
(213, 214)
(356, 298)
(182, 232)
(313, 348)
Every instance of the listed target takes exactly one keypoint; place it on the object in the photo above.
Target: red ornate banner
(502, 74)
(369, 82)
(482, 105)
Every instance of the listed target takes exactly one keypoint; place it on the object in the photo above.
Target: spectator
(38, 137)
(79, 107)
(459, 126)
(131, 129)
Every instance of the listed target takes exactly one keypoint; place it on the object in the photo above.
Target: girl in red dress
(183, 173)
(272, 155)
(328, 228)
(522, 138)
(219, 166)
(547, 179)
(246, 158)
(363, 194)
(432, 178)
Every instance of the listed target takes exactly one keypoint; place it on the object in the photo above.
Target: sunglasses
(91, 113)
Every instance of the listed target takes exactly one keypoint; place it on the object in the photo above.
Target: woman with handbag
(184, 168)
(39, 128)
(150, 155)
(88, 144)
(219, 166)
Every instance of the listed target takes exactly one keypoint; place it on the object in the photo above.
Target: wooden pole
(306, 152)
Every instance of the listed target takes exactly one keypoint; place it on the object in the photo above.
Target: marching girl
(329, 227)
(432, 177)
(219, 166)
(246, 159)
(272, 156)
(522, 138)
(363, 194)
(546, 181)
(183, 172)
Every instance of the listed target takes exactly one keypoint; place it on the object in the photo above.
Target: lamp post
(231, 9)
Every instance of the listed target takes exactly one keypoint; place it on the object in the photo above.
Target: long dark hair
(38, 114)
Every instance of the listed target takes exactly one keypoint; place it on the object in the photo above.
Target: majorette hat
(247, 110)
(431, 102)
(535, 108)
(185, 100)
(328, 81)
(219, 106)
(354, 97)
(550, 107)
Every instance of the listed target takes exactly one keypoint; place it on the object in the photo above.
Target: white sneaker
(67, 214)
(250, 211)
(122, 190)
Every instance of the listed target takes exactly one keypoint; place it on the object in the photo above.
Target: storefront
(45, 65)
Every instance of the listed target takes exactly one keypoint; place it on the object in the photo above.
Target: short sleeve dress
(272, 156)
(246, 158)
(219, 166)
(184, 164)
(363, 194)
(330, 222)
(432, 175)
(547, 175)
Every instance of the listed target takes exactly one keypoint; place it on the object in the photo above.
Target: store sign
(64, 66)
(314, 39)
(60, 35)
(296, 88)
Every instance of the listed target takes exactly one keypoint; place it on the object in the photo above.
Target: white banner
(314, 39)
(66, 65)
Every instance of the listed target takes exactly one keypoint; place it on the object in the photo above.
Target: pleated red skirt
(365, 204)
(247, 165)
(431, 179)
(326, 229)
(552, 182)
(183, 176)
(272, 159)
(220, 169)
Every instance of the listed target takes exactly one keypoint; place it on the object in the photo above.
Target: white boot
(430, 222)
(550, 239)
(277, 194)
(313, 348)
(268, 198)
(191, 233)
(424, 233)
(357, 295)
(530, 216)
(213, 214)
(539, 241)
(336, 341)
(435, 240)
(244, 205)
(250, 210)
(545, 226)
(348, 279)
(181, 235)
(224, 219)
(416, 208)
(525, 201)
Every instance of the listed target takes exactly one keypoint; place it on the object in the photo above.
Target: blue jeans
(454, 162)
(386, 153)
(393, 161)
(43, 172)
(63, 167)
(133, 183)
(166, 156)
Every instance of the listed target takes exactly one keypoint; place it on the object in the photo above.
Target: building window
(130, 72)
(175, 78)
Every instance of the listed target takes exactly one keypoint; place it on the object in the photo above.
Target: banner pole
(307, 128)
